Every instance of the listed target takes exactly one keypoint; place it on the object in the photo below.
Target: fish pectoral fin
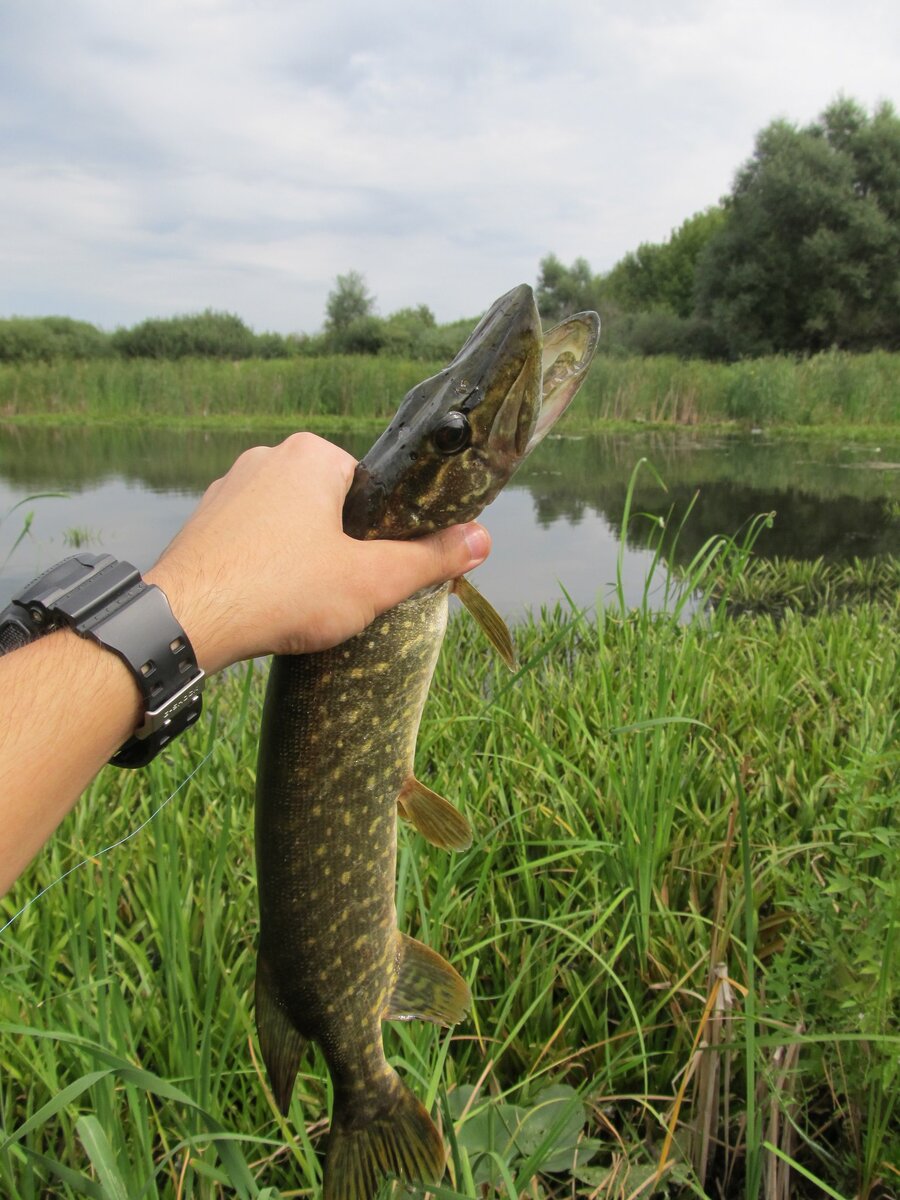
(281, 1045)
(488, 619)
(434, 817)
(426, 987)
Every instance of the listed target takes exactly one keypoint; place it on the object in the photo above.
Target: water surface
(557, 525)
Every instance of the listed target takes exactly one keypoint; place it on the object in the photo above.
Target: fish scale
(337, 746)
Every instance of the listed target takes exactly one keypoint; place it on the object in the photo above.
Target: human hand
(263, 565)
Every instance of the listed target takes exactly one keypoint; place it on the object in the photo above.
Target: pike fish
(336, 755)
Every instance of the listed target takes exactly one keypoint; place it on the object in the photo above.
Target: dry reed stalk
(780, 1127)
(704, 1064)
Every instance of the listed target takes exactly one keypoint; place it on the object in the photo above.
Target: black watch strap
(106, 600)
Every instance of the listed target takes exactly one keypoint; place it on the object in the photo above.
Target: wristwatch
(106, 600)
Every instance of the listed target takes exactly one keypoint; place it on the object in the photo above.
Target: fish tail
(400, 1139)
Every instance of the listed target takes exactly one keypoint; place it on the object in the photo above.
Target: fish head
(458, 437)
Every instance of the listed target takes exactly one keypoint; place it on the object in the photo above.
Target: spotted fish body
(337, 748)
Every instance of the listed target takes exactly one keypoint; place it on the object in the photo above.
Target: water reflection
(558, 523)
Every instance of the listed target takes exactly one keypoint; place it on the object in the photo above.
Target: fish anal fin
(434, 817)
(281, 1045)
(426, 987)
(488, 619)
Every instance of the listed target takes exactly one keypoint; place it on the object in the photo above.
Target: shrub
(43, 339)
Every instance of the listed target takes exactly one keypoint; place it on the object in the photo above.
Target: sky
(160, 158)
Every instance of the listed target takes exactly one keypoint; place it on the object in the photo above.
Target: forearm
(68, 706)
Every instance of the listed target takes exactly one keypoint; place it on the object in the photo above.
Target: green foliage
(776, 586)
(407, 332)
(78, 536)
(200, 335)
(205, 389)
(348, 301)
(645, 301)
(605, 882)
(802, 256)
(26, 518)
(658, 332)
(413, 334)
(660, 276)
(45, 339)
(809, 254)
(494, 1140)
(441, 343)
(563, 290)
(362, 335)
(826, 389)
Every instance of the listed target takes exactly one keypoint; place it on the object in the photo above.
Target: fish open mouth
(458, 437)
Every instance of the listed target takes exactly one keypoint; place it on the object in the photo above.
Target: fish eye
(453, 433)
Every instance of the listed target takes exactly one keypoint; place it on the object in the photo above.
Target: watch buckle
(157, 718)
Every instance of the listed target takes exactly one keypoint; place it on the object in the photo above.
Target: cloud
(170, 156)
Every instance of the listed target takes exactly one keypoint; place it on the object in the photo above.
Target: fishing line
(121, 842)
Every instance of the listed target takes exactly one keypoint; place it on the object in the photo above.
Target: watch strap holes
(148, 668)
(177, 645)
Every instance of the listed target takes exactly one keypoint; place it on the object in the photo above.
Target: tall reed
(832, 388)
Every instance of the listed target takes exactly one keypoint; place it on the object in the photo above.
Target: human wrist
(100, 679)
(199, 610)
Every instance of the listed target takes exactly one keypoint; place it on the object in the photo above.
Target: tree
(348, 301)
(407, 332)
(660, 275)
(808, 255)
(562, 290)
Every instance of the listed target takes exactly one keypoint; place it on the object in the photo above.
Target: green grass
(837, 390)
(652, 798)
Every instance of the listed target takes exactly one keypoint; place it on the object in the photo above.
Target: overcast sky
(162, 157)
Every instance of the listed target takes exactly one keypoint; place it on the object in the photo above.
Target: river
(557, 527)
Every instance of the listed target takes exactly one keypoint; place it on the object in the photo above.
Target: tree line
(802, 255)
(351, 327)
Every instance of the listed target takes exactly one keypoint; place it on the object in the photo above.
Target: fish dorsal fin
(426, 987)
(434, 817)
(488, 619)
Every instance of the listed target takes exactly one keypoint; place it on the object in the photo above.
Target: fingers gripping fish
(337, 745)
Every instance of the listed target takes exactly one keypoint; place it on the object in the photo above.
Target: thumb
(400, 568)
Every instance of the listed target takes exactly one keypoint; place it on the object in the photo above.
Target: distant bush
(44, 339)
(199, 335)
(406, 331)
(415, 335)
(361, 335)
(650, 334)
(272, 345)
